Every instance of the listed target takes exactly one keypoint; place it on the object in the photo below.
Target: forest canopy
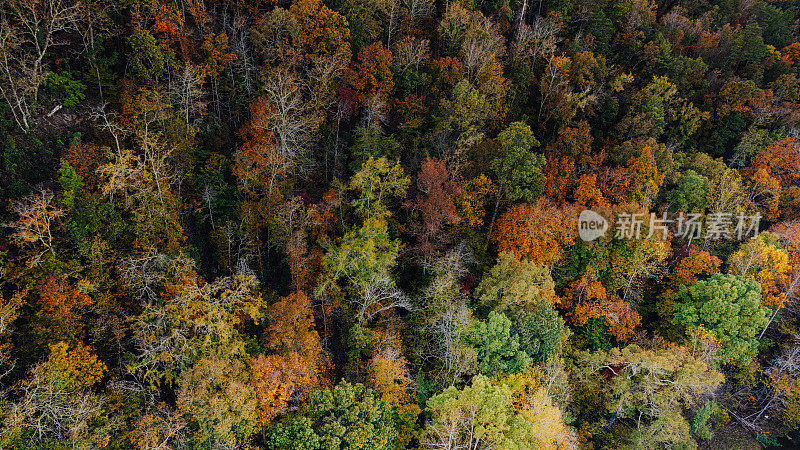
(399, 224)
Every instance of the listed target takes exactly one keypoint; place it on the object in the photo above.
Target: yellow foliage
(79, 367)
(471, 204)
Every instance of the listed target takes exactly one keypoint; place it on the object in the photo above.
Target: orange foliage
(586, 299)
(60, 304)
(168, 21)
(291, 328)
(588, 194)
(371, 73)
(281, 383)
(780, 159)
(217, 54)
(434, 202)
(390, 378)
(86, 158)
(792, 51)
(559, 177)
(539, 232)
(569, 155)
(260, 167)
(765, 192)
(614, 183)
(645, 177)
(693, 265)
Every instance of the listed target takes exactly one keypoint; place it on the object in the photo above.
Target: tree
(519, 171)
(56, 400)
(435, 203)
(448, 319)
(586, 299)
(513, 413)
(193, 320)
(588, 193)
(376, 182)
(513, 285)
(539, 232)
(532, 399)
(475, 417)
(542, 332)
(363, 258)
(281, 384)
(645, 176)
(693, 265)
(498, 350)
(347, 416)
(479, 45)
(292, 328)
(780, 160)
(729, 307)
(217, 397)
(464, 113)
(371, 73)
(148, 60)
(37, 215)
(28, 32)
(471, 203)
(634, 261)
(763, 260)
(690, 192)
(650, 388)
(61, 309)
(323, 31)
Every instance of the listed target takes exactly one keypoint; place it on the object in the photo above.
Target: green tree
(690, 193)
(650, 388)
(498, 350)
(541, 331)
(514, 284)
(514, 413)
(349, 416)
(729, 307)
(375, 183)
(218, 398)
(519, 170)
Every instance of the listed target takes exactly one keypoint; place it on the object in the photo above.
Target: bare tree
(28, 31)
(186, 91)
(380, 295)
(53, 408)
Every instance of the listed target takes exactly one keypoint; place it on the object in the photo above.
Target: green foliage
(63, 84)
(512, 285)
(71, 183)
(348, 416)
(541, 331)
(702, 422)
(490, 403)
(498, 350)
(147, 59)
(376, 182)
(293, 433)
(218, 398)
(690, 192)
(370, 142)
(728, 306)
(519, 170)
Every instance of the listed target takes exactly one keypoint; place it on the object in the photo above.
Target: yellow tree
(763, 260)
